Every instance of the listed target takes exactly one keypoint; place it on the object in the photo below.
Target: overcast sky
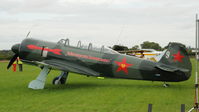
(106, 22)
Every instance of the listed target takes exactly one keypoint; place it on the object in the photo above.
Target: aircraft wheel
(56, 81)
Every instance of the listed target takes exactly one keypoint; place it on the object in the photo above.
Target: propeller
(15, 49)
(12, 60)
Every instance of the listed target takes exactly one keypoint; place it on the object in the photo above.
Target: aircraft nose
(15, 48)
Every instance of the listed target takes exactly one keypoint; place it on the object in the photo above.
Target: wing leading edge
(70, 67)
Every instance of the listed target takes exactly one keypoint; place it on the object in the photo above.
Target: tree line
(144, 45)
(148, 45)
(6, 54)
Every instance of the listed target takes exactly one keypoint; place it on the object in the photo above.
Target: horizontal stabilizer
(170, 68)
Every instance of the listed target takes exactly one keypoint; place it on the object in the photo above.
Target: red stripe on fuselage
(55, 51)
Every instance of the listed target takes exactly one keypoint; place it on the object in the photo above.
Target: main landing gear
(61, 79)
(39, 82)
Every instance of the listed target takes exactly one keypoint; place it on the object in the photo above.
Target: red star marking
(178, 57)
(123, 66)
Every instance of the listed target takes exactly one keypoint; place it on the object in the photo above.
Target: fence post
(182, 107)
(150, 108)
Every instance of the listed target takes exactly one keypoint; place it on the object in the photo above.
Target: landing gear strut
(39, 82)
(61, 79)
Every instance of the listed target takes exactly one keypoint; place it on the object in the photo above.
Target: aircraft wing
(69, 67)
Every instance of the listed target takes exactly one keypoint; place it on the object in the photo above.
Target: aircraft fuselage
(99, 63)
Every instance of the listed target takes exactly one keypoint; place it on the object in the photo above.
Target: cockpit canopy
(90, 46)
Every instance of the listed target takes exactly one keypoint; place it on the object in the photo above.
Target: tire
(61, 81)
(55, 81)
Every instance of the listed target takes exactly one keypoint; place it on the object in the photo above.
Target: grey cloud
(155, 20)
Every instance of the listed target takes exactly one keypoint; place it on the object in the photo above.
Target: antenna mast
(28, 34)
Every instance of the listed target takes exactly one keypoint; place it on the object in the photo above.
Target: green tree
(119, 48)
(151, 45)
(135, 47)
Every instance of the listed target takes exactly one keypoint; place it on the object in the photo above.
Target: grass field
(89, 94)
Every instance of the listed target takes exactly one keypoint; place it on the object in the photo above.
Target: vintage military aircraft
(174, 66)
(149, 54)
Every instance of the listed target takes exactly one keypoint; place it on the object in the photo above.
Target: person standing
(14, 66)
(20, 63)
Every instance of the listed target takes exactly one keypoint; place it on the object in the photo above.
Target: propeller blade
(12, 60)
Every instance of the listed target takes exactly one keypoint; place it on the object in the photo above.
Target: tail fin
(176, 59)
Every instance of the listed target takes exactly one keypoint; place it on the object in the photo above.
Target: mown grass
(89, 94)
